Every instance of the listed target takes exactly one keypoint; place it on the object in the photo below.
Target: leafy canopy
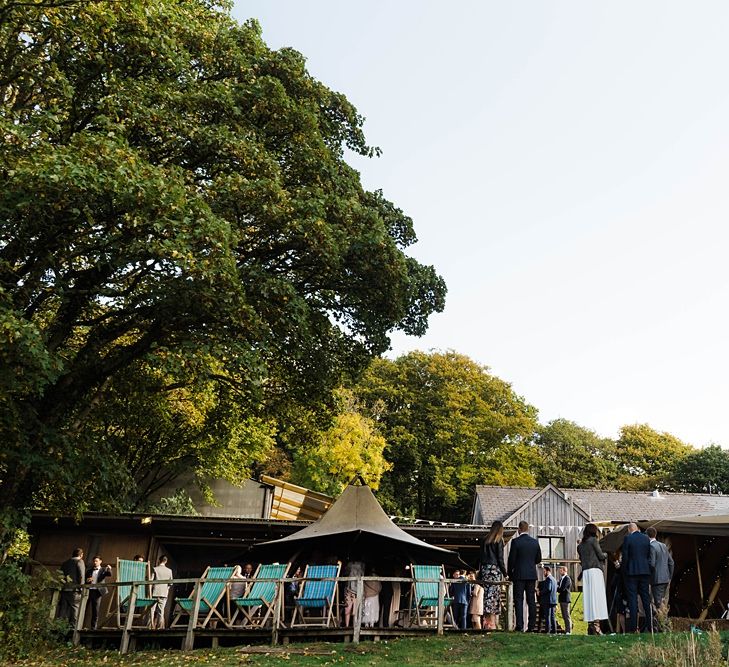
(449, 425)
(169, 183)
(350, 447)
(646, 457)
(702, 471)
(575, 457)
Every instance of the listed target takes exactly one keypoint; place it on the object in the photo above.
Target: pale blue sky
(567, 168)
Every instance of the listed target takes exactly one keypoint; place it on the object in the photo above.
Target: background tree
(702, 471)
(646, 458)
(449, 424)
(351, 446)
(167, 182)
(159, 421)
(575, 457)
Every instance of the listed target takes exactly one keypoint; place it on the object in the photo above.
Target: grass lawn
(495, 649)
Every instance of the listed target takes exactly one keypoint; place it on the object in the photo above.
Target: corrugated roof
(500, 502)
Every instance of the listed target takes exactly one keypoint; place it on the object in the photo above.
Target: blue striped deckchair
(128, 572)
(424, 594)
(319, 592)
(210, 595)
(256, 605)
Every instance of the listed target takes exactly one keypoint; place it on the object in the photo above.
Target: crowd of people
(643, 569)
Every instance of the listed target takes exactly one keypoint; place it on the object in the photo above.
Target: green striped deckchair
(256, 605)
(210, 595)
(424, 594)
(319, 592)
(128, 572)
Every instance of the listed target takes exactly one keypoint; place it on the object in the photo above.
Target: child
(548, 600)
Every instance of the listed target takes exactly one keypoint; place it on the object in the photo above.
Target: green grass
(505, 650)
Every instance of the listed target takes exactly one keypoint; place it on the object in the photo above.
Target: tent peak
(357, 478)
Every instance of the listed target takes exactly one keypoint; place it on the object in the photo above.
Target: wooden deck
(134, 631)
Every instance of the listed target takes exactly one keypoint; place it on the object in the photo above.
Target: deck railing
(437, 621)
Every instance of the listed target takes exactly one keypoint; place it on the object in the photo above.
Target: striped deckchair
(319, 592)
(210, 595)
(424, 594)
(256, 605)
(128, 572)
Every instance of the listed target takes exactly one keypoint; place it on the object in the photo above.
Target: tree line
(449, 424)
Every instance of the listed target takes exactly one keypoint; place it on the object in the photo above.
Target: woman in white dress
(594, 600)
(371, 608)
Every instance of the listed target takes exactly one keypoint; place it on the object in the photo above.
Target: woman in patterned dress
(493, 569)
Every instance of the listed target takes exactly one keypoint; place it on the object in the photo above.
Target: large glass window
(552, 548)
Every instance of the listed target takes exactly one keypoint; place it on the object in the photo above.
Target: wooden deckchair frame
(143, 601)
(204, 599)
(257, 616)
(423, 606)
(329, 606)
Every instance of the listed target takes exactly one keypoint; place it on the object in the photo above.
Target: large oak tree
(170, 185)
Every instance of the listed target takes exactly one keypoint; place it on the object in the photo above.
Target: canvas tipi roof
(355, 524)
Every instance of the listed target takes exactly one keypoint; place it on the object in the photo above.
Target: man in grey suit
(160, 591)
(661, 569)
(73, 573)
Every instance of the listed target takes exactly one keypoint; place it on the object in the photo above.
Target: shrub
(25, 625)
(693, 649)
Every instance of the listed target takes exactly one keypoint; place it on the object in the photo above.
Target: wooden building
(557, 516)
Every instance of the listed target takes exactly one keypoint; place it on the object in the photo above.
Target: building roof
(501, 502)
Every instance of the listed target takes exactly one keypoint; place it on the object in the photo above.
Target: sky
(566, 165)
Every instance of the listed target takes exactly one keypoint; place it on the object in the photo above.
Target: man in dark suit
(95, 575)
(564, 594)
(637, 576)
(524, 556)
(73, 573)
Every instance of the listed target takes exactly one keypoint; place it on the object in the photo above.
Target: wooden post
(510, 621)
(698, 570)
(124, 644)
(441, 607)
(55, 597)
(189, 641)
(80, 617)
(358, 609)
(277, 608)
(712, 595)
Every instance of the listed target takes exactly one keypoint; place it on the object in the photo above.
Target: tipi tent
(355, 526)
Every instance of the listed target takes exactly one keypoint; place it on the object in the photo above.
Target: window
(552, 548)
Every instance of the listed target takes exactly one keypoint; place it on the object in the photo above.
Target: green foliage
(575, 457)
(175, 209)
(646, 458)
(25, 628)
(449, 424)
(350, 447)
(178, 503)
(702, 471)
(169, 415)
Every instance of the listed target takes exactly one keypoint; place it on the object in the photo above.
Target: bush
(25, 626)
